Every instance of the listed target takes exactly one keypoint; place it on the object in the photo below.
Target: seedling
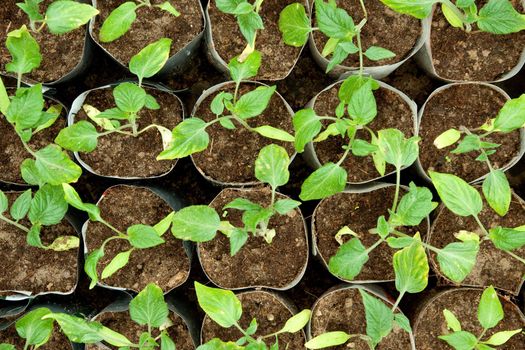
(201, 223)
(490, 314)
(496, 16)
(496, 188)
(130, 99)
(138, 236)
(191, 136)
(225, 309)
(121, 19)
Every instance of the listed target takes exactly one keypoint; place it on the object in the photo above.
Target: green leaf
(271, 166)
(469, 143)
(32, 9)
(511, 116)
(451, 16)
(48, 207)
(457, 259)
(349, 260)
(217, 344)
(26, 107)
(163, 225)
(168, 7)
(459, 197)
(447, 138)
(7, 347)
(361, 148)
(150, 60)
(30, 173)
(403, 322)
(33, 237)
(333, 22)
(419, 9)
(64, 243)
(396, 149)
(222, 306)
(33, 328)
(507, 238)
(79, 137)
(217, 104)
(20, 206)
(379, 317)
(253, 103)
(284, 206)
(249, 23)
(253, 217)
(197, 223)
(165, 342)
(413, 207)
(460, 340)
(324, 182)
(118, 22)
(119, 261)
(274, 133)
(294, 24)
(246, 69)
(112, 113)
(4, 202)
(497, 191)
(243, 204)
(376, 53)
(490, 311)
(296, 322)
(328, 339)
(143, 236)
(452, 322)
(362, 106)
(411, 268)
(72, 198)
(4, 98)
(399, 242)
(90, 266)
(307, 125)
(129, 97)
(55, 167)
(500, 17)
(189, 137)
(77, 329)
(502, 337)
(149, 307)
(238, 239)
(65, 16)
(24, 50)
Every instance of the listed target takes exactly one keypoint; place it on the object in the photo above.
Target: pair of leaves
(247, 15)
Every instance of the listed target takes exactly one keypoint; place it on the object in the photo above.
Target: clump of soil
(343, 310)
(231, 154)
(166, 265)
(127, 156)
(151, 25)
(359, 211)
(468, 105)
(463, 303)
(31, 269)
(392, 112)
(474, 56)
(271, 314)
(274, 265)
(385, 28)
(58, 341)
(66, 48)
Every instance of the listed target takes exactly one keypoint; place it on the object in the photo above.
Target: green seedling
(231, 111)
(200, 223)
(121, 19)
(490, 314)
(225, 309)
(137, 236)
(496, 16)
(511, 117)
(33, 329)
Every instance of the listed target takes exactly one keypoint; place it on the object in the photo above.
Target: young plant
(490, 314)
(137, 236)
(121, 19)
(496, 16)
(200, 223)
(225, 309)
(231, 110)
(511, 117)
(33, 329)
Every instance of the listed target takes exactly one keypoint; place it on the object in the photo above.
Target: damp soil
(151, 25)
(493, 266)
(384, 28)
(66, 48)
(475, 56)
(127, 156)
(121, 322)
(392, 112)
(343, 310)
(359, 211)
(57, 341)
(274, 265)
(468, 105)
(166, 265)
(271, 314)
(231, 154)
(26, 268)
(463, 303)
(278, 58)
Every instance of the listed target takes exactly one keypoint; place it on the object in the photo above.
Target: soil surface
(392, 112)
(121, 322)
(26, 268)
(271, 315)
(66, 48)
(359, 211)
(151, 25)
(231, 154)
(127, 156)
(58, 341)
(475, 56)
(469, 106)
(278, 58)
(343, 310)
(463, 303)
(493, 266)
(384, 28)
(166, 265)
(272, 265)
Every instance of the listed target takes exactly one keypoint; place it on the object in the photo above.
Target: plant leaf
(497, 191)
(151, 59)
(396, 149)
(24, 50)
(411, 268)
(376, 53)
(328, 339)
(413, 207)
(307, 125)
(129, 97)
(271, 166)
(502, 337)
(79, 137)
(349, 260)
(296, 322)
(458, 196)
(118, 22)
(72, 198)
(222, 306)
(55, 167)
(452, 322)
(490, 311)
(143, 236)
(324, 182)
(419, 9)
(379, 317)
(65, 16)
(294, 25)
(511, 116)
(460, 340)
(20, 206)
(149, 307)
(188, 137)
(253, 103)
(246, 69)
(507, 238)
(119, 261)
(33, 328)
(500, 17)
(48, 207)
(457, 259)
(197, 223)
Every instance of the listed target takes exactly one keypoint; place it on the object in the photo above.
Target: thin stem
(481, 225)
(28, 149)
(236, 92)
(348, 148)
(396, 304)
(242, 122)
(515, 256)
(361, 59)
(328, 118)
(117, 130)
(133, 122)
(26, 345)
(258, 4)
(18, 80)
(120, 233)
(248, 337)
(482, 334)
(374, 246)
(398, 184)
(14, 223)
(363, 7)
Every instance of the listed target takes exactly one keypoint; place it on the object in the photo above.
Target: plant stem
(374, 246)
(18, 80)
(515, 256)
(363, 7)
(14, 223)
(248, 337)
(396, 304)
(481, 225)
(348, 148)
(398, 185)
(360, 47)
(120, 233)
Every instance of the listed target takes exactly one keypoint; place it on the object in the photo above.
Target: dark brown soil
(127, 156)
(359, 211)
(166, 265)
(384, 28)
(121, 322)
(271, 315)
(66, 48)
(274, 265)
(470, 106)
(493, 266)
(151, 25)
(231, 154)
(343, 310)
(475, 56)
(26, 268)
(58, 341)
(278, 58)
(392, 112)
(464, 304)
